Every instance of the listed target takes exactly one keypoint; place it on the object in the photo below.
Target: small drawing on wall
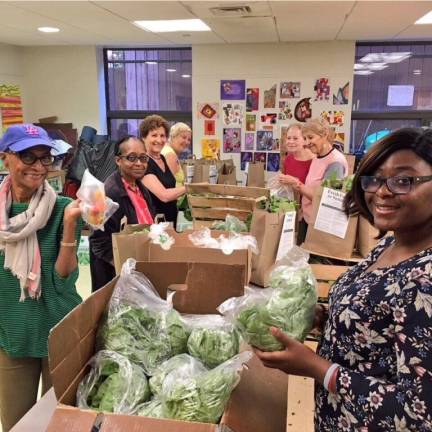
(249, 141)
(231, 140)
(251, 122)
(208, 110)
(273, 162)
(233, 114)
(270, 97)
(232, 89)
(322, 89)
(264, 140)
(285, 112)
(342, 95)
(252, 99)
(289, 89)
(260, 157)
(334, 118)
(245, 158)
(303, 110)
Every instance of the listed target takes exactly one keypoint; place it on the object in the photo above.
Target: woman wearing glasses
(124, 186)
(39, 232)
(159, 179)
(373, 369)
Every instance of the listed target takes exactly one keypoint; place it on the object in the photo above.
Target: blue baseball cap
(24, 136)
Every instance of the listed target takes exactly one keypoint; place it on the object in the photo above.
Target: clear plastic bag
(227, 245)
(114, 384)
(152, 408)
(280, 190)
(191, 393)
(231, 223)
(213, 339)
(140, 324)
(158, 235)
(96, 207)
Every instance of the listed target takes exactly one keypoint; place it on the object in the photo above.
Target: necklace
(155, 157)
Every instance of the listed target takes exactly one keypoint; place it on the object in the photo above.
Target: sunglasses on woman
(29, 158)
(133, 158)
(399, 185)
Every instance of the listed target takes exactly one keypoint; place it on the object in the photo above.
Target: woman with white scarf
(39, 232)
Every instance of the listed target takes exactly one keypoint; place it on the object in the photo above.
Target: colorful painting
(270, 118)
(342, 95)
(335, 118)
(273, 162)
(289, 89)
(249, 141)
(209, 127)
(233, 114)
(252, 99)
(232, 89)
(245, 158)
(303, 110)
(285, 112)
(260, 157)
(275, 144)
(210, 148)
(251, 122)
(264, 140)
(232, 140)
(10, 105)
(322, 89)
(270, 97)
(208, 110)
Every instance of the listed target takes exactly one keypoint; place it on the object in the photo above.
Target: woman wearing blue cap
(39, 232)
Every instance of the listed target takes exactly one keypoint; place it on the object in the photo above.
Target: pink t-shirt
(141, 208)
(320, 168)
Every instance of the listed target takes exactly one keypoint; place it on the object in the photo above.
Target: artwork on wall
(335, 118)
(233, 114)
(249, 141)
(273, 162)
(231, 140)
(252, 99)
(210, 148)
(232, 89)
(285, 112)
(289, 89)
(251, 122)
(260, 157)
(275, 144)
(245, 158)
(303, 110)
(322, 89)
(209, 127)
(270, 118)
(264, 140)
(10, 105)
(270, 97)
(208, 110)
(342, 95)
(283, 134)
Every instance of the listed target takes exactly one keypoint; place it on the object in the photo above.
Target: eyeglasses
(29, 158)
(399, 185)
(133, 158)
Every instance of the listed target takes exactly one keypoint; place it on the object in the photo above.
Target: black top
(101, 251)
(169, 209)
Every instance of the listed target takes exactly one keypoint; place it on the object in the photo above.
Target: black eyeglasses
(133, 158)
(29, 158)
(399, 185)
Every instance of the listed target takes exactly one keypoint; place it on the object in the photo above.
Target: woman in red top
(299, 158)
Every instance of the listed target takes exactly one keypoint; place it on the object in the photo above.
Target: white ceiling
(108, 23)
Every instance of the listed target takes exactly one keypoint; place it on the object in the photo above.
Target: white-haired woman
(180, 137)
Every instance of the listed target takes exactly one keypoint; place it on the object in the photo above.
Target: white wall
(267, 64)
(61, 81)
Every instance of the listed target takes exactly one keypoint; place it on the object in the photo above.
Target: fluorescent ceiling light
(425, 19)
(171, 70)
(151, 62)
(363, 72)
(360, 66)
(48, 29)
(417, 71)
(377, 66)
(165, 26)
(186, 76)
(392, 57)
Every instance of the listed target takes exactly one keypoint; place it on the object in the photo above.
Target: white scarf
(18, 236)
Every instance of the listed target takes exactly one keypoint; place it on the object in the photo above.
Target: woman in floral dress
(373, 368)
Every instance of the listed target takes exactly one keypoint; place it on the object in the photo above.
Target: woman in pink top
(319, 137)
(298, 159)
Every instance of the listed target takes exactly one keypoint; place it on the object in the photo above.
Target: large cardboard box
(131, 243)
(258, 403)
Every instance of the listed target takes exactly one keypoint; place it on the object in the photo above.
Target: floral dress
(380, 332)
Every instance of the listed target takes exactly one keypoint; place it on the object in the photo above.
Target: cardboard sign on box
(131, 243)
(72, 343)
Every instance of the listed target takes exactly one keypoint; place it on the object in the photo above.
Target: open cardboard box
(131, 243)
(258, 403)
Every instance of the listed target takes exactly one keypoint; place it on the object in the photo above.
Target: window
(392, 89)
(140, 82)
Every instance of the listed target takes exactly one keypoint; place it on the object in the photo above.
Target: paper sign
(287, 238)
(331, 217)
(189, 173)
(213, 174)
(400, 95)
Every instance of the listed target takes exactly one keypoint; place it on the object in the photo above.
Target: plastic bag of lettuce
(141, 325)
(191, 392)
(114, 384)
(288, 304)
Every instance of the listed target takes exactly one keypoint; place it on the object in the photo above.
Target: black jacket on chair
(101, 250)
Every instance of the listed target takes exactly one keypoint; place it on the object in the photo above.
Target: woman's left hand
(72, 212)
(296, 359)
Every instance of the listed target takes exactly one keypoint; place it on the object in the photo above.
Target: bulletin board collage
(253, 120)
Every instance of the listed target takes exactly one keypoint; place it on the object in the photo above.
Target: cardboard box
(261, 391)
(130, 243)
